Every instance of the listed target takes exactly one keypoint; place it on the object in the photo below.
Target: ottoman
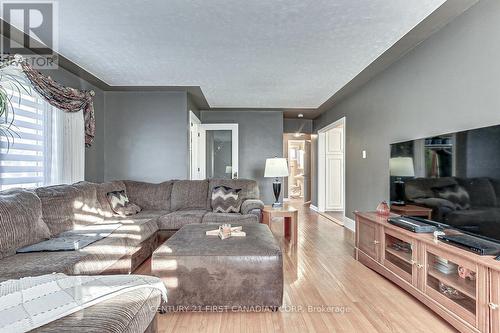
(206, 273)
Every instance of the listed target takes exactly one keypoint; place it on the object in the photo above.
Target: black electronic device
(455, 174)
(411, 224)
(472, 244)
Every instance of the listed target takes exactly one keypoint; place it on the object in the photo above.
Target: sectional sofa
(30, 216)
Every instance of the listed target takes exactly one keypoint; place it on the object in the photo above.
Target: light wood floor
(320, 272)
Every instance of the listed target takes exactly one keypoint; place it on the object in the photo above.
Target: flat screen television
(455, 174)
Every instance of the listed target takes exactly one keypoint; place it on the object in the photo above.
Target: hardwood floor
(326, 290)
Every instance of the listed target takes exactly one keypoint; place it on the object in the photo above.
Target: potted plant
(10, 80)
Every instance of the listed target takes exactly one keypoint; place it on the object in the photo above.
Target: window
(48, 147)
(24, 163)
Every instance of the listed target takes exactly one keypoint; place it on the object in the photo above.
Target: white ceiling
(258, 53)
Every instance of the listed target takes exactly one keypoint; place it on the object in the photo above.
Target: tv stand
(429, 270)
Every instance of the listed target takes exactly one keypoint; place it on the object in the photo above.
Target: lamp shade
(402, 167)
(276, 167)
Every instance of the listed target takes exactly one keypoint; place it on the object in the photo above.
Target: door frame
(234, 146)
(194, 147)
(321, 188)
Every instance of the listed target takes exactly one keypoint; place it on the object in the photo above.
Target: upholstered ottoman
(206, 273)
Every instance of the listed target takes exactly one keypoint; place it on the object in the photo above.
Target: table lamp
(276, 168)
(401, 167)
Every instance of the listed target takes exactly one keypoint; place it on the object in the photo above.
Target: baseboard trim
(312, 207)
(349, 224)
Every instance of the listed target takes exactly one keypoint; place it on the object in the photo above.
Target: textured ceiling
(259, 53)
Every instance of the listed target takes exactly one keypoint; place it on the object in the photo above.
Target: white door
(334, 168)
(219, 151)
(194, 147)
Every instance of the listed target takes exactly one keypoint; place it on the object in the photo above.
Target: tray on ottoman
(206, 273)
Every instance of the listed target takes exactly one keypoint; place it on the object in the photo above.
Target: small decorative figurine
(383, 209)
(226, 231)
(466, 273)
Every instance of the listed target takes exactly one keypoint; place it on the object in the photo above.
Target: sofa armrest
(251, 205)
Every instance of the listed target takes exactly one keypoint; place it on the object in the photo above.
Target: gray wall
(260, 137)
(448, 83)
(94, 156)
(146, 136)
(297, 126)
(191, 106)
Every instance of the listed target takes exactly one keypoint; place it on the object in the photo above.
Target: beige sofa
(166, 207)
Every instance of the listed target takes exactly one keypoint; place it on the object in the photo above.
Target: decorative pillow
(225, 200)
(120, 204)
(455, 194)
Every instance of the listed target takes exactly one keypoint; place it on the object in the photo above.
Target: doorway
(219, 151)
(194, 147)
(297, 150)
(331, 170)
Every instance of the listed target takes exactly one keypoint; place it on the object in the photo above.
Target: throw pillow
(226, 200)
(121, 205)
(455, 194)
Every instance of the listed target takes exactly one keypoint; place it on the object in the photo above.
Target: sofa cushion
(425, 187)
(130, 312)
(249, 188)
(138, 227)
(21, 221)
(473, 217)
(496, 186)
(226, 200)
(481, 191)
(455, 194)
(103, 189)
(190, 194)
(121, 205)
(93, 259)
(149, 195)
(67, 206)
(211, 217)
(176, 220)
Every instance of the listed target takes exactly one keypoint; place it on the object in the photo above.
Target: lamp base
(277, 191)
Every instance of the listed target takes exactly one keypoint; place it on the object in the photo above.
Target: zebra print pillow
(226, 200)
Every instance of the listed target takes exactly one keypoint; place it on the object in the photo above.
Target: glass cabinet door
(400, 256)
(453, 282)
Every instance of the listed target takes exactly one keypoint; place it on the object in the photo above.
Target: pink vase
(383, 209)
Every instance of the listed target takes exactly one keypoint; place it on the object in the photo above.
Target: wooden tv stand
(417, 263)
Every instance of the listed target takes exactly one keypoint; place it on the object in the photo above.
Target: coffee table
(206, 273)
(290, 216)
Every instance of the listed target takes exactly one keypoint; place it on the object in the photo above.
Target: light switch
(364, 154)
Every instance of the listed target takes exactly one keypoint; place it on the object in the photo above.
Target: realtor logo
(29, 28)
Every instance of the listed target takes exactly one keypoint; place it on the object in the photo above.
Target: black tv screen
(455, 174)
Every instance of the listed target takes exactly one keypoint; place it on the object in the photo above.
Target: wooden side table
(291, 216)
(412, 210)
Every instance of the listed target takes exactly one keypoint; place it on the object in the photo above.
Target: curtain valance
(64, 98)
